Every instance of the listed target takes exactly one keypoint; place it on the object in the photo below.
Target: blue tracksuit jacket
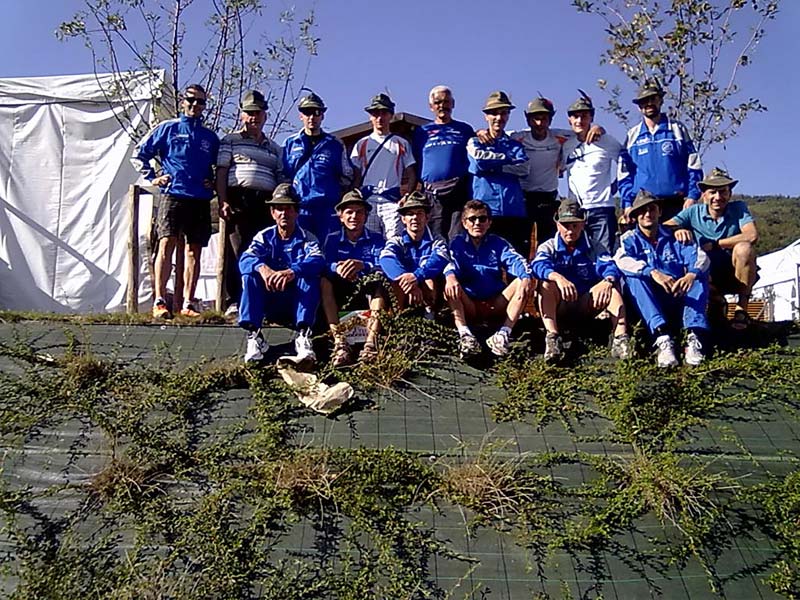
(367, 249)
(584, 267)
(426, 259)
(496, 180)
(318, 179)
(637, 258)
(187, 152)
(664, 163)
(480, 270)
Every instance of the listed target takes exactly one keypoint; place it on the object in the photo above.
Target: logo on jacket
(666, 148)
(205, 145)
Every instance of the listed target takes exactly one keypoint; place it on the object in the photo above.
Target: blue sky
(474, 47)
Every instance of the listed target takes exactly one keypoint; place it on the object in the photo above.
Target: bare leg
(515, 302)
(163, 264)
(376, 305)
(329, 306)
(744, 265)
(549, 299)
(191, 272)
(463, 308)
(616, 307)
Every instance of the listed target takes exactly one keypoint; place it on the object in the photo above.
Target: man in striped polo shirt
(248, 169)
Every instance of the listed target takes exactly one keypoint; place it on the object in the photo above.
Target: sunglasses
(477, 218)
(193, 100)
(312, 112)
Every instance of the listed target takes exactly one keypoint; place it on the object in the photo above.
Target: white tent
(779, 279)
(64, 180)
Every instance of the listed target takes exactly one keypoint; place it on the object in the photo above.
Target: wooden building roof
(402, 124)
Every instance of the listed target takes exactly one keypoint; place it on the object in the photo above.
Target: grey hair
(439, 89)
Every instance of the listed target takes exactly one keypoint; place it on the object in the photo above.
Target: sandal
(369, 352)
(342, 354)
(741, 320)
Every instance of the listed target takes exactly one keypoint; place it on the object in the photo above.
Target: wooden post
(177, 296)
(221, 259)
(132, 298)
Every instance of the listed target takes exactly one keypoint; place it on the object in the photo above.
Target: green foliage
(694, 48)
(777, 219)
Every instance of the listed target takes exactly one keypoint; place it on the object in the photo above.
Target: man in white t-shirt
(592, 174)
(544, 147)
(382, 160)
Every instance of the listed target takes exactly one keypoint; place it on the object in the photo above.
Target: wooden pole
(221, 259)
(132, 299)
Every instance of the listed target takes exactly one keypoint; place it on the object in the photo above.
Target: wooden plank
(132, 296)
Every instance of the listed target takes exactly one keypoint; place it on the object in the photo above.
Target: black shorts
(349, 295)
(188, 216)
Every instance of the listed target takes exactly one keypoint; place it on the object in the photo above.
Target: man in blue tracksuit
(414, 259)
(187, 153)
(352, 253)
(474, 286)
(663, 276)
(659, 157)
(575, 277)
(496, 167)
(281, 278)
(318, 166)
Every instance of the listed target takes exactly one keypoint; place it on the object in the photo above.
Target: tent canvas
(64, 181)
(778, 281)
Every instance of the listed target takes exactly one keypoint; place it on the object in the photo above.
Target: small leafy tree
(694, 48)
(222, 44)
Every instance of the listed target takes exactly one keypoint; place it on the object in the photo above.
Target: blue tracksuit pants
(296, 306)
(657, 306)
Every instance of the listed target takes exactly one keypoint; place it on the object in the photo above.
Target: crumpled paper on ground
(314, 394)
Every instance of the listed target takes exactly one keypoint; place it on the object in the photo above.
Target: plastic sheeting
(64, 181)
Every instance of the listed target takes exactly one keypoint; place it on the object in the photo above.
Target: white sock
(506, 330)
(463, 330)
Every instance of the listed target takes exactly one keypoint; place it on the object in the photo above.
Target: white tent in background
(64, 180)
(779, 282)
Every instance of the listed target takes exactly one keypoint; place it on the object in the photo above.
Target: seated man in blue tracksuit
(351, 254)
(281, 278)
(576, 278)
(414, 259)
(663, 276)
(496, 166)
(474, 286)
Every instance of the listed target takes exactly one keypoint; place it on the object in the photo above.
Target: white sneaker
(693, 353)
(303, 347)
(499, 343)
(232, 311)
(665, 355)
(621, 347)
(553, 347)
(257, 346)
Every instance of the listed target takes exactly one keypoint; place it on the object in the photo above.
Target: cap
(253, 100)
(380, 102)
(584, 102)
(569, 211)
(497, 100)
(413, 200)
(717, 178)
(643, 198)
(311, 101)
(540, 104)
(647, 89)
(353, 197)
(284, 194)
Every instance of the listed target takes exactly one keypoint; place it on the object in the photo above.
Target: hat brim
(345, 203)
(252, 107)
(498, 107)
(371, 109)
(282, 201)
(638, 209)
(731, 183)
(569, 220)
(639, 99)
(408, 209)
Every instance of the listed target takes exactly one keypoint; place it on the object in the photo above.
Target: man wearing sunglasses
(474, 286)
(319, 168)
(186, 152)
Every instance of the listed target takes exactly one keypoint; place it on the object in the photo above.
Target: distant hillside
(778, 219)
